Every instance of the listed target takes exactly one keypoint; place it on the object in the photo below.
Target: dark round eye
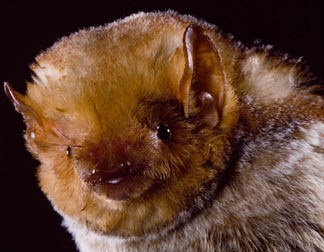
(68, 151)
(163, 132)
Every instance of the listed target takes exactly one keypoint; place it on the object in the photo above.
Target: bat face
(126, 121)
(157, 133)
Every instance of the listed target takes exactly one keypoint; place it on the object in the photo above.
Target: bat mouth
(114, 180)
(123, 188)
(123, 183)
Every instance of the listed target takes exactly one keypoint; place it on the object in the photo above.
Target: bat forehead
(99, 76)
(127, 61)
(127, 47)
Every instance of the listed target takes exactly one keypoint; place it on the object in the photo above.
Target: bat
(158, 132)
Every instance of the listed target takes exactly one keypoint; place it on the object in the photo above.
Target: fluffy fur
(243, 169)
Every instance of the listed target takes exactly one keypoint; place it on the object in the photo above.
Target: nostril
(126, 164)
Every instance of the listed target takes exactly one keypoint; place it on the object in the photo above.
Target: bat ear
(203, 78)
(40, 129)
(23, 105)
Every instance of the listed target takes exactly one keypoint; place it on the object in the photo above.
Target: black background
(28, 222)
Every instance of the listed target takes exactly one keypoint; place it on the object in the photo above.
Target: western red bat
(158, 132)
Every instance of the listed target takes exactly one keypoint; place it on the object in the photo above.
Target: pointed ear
(203, 77)
(36, 128)
(23, 106)
(41, 131)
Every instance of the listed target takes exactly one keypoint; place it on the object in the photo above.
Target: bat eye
(163, 132)
(68, 151)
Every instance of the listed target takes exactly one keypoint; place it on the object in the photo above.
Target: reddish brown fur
(110, 87)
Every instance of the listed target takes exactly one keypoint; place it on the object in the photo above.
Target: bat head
(130, 122)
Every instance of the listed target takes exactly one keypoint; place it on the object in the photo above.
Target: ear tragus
(203, 75)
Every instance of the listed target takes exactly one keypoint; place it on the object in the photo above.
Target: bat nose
(111, 173)
(115, 168)
(110, 163)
